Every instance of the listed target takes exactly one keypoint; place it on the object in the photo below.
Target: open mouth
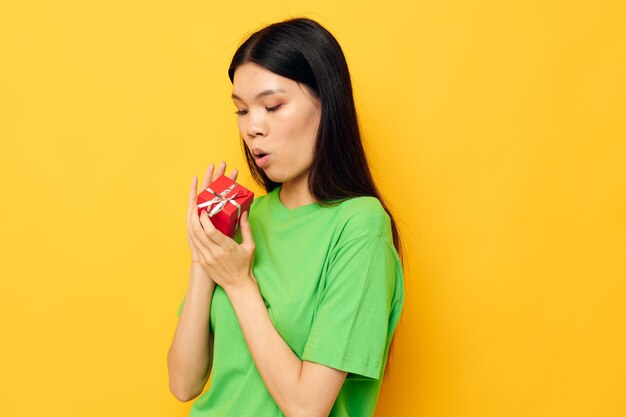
(261, 159)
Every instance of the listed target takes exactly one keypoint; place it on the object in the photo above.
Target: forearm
(189, 357)
(277, 364)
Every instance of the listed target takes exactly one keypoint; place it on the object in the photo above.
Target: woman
(295, 315)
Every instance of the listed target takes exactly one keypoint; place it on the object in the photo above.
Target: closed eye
(273, 108)
(269, 109)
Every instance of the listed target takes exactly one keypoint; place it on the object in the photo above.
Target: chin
(275, 178)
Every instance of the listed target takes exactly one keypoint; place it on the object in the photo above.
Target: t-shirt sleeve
(180, 308)
(349, 330)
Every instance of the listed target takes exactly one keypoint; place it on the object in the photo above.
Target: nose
(256, 125)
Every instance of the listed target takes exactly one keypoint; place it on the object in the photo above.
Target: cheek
(240, 126)
(294, 126)
(243, 136)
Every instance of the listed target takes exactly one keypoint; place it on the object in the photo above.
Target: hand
(228, 263)
(193, 221)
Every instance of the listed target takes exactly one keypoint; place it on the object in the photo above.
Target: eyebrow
(261, 94)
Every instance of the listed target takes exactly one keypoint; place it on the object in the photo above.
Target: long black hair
(303, 50)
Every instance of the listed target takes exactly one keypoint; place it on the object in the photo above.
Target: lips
(258, 152)
(261, 160)
(261, 157)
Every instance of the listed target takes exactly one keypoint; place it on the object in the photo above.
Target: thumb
(246, 231)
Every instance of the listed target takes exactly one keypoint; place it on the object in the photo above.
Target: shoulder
(363, 217)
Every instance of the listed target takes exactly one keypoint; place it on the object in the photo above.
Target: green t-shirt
(332, 282)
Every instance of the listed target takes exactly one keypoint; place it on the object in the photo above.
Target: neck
(294, 194)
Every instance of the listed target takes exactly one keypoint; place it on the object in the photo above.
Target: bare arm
(190, 357)
(300, 388)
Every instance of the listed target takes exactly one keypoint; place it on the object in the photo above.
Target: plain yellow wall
(495, 130)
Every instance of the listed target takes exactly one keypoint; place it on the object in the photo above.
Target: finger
(220, 169)
(202, 254)
(233, 175)
(193, 244)
(246, 231)
(204, 243)
(192, 196)
(213, 233)
(208, 176)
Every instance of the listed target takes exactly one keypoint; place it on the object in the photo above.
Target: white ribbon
(221, 201)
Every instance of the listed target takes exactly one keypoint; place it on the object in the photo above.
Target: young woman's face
(278, 120)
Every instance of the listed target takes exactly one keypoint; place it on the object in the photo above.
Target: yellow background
(495, 129)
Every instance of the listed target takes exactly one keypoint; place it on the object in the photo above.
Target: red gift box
(225, 200)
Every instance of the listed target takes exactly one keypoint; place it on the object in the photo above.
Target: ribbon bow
(221, 201)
